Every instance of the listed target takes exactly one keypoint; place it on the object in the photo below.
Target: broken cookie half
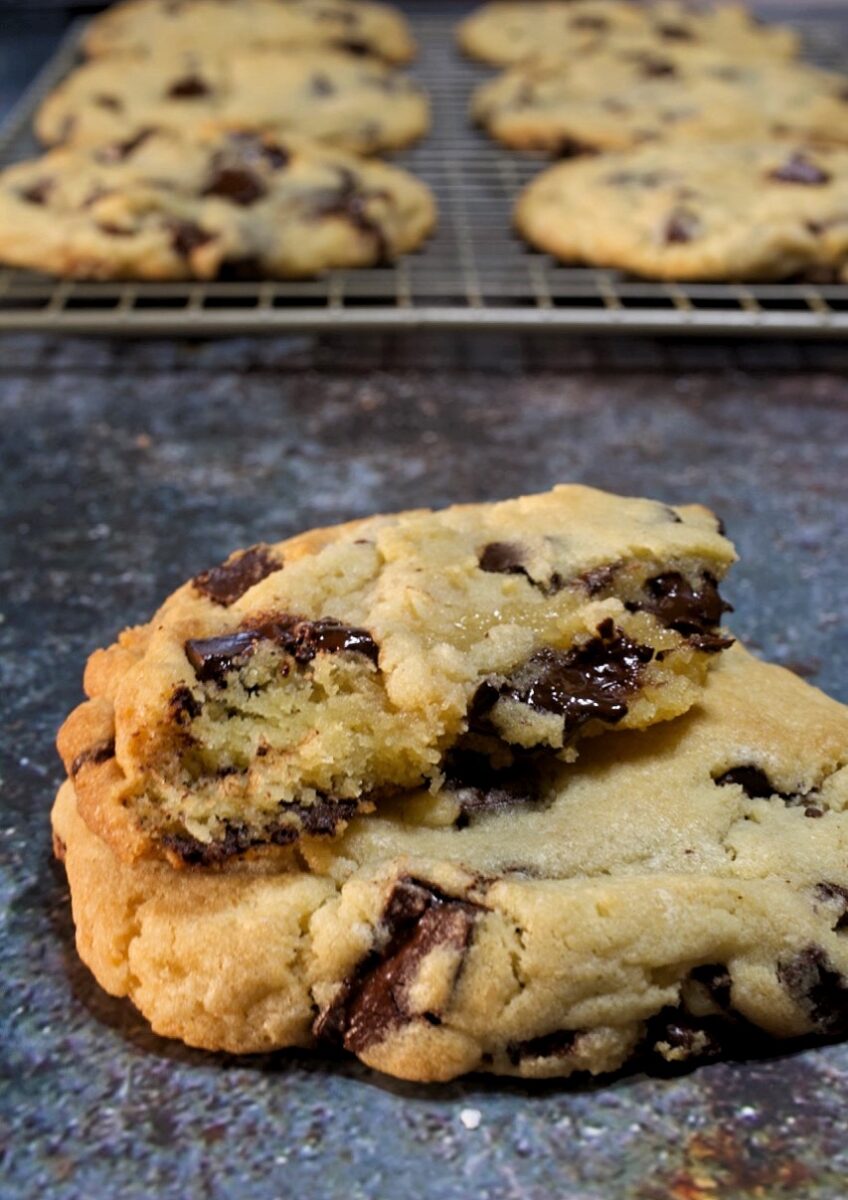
(680, 894)
(280, 693)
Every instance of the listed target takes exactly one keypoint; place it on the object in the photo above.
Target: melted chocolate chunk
(348, 201)
(213, 657)
(836, 896)
(183, 706)
(109, 102)
(587, 683)
(693, 612)
(681, 227)
(236, 184)
(598, 579)
(478, 787)
(99, 753)
(569, 147)
(418, 918)
(716, 978)
(651, 67)
(753, 781)
(503, 558)
(228, 582)
(189, 87)
(817, 988)
(187, 236)
(117, 152)
(549, 1045)
(798, 168)
(37, 193)
(321, 819)
(675, 33)
(355, 46)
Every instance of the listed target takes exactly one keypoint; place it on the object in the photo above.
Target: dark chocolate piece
(598, 579)
(236, 184)
(187, 236)
(549, 1045)
(321, 85)
(213, 657)
(349, 201)
(675, 33)
(675, 1036)
(116, 152)
(418, 918)
(836, 896)
(109, 102)
(798, 168)
(681, 227)
(716, 978)
(817, 988)
(38, 192)
(589, 682)
(184, 707)
(478, 787)
(654, 67)
(230, 580)
(503, 558)
(691, 611)
(753, 781)
(189, 87)
(99, 753)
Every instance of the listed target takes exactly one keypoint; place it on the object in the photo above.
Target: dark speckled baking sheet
(126, 468)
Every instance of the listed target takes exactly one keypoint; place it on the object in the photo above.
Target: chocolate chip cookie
(277, 694)
(629, 95)
(507, 32)
(356, 104)
(145, 26)
(680, 894)
(159, 206)
(718, 211)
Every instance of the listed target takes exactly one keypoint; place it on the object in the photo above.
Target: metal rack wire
(473, 273)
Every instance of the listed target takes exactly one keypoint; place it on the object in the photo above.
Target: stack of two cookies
(214, 137)
(482, 789)
(716, 153)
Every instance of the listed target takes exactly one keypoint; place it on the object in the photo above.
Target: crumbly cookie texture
(681, 894)
(288, 688)
(144, 26)
(159, 206)
(737, 211)
(629, 95)
(509, 32)
(353, 103)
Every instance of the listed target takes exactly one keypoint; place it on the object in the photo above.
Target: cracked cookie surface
(740, 211)
(158, 206)
(682, 894)
(629, 95)
(356, 104)
(144, 26)
(509, 32)
(277, 694)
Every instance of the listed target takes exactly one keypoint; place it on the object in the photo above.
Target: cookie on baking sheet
(627, 95)
(737, 211)
(507, 32)
(356, 104)
(681, 893)
(281, 692)
(145, 26)
(158, 206)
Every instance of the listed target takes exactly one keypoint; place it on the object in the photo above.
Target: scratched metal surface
(124, 469)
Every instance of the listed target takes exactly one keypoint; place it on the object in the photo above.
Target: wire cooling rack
(473, 273)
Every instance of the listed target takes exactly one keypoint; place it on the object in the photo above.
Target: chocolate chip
(678, 1037)
(189, 87)
(817, 988)
(549, 1045)
(228, 582)
(503, 558)
(598, 579)
(835, 895)
(753, 781)
(798, 168)
(569, 147)
(589, 682)
(349, 201)
(355, 46)
(116, 152)
(236, 184)
(183, 706)
(37, 193)
(690, 610)
(99, 753)
(114, 230)
(651, 67)
(213, 657)
(675, 33)
(252, 149)
(716, 978)
(109, 102)
(478, 787)
(321, 85)
(681, 226)
(418, 919)
(187, 236)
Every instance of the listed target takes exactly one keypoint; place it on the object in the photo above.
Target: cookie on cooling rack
(737, 211)
(625, 96)
(681, 894)
(506, 32)
(277, 694)
(355, 104)
(147, 26)
(158, 206)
